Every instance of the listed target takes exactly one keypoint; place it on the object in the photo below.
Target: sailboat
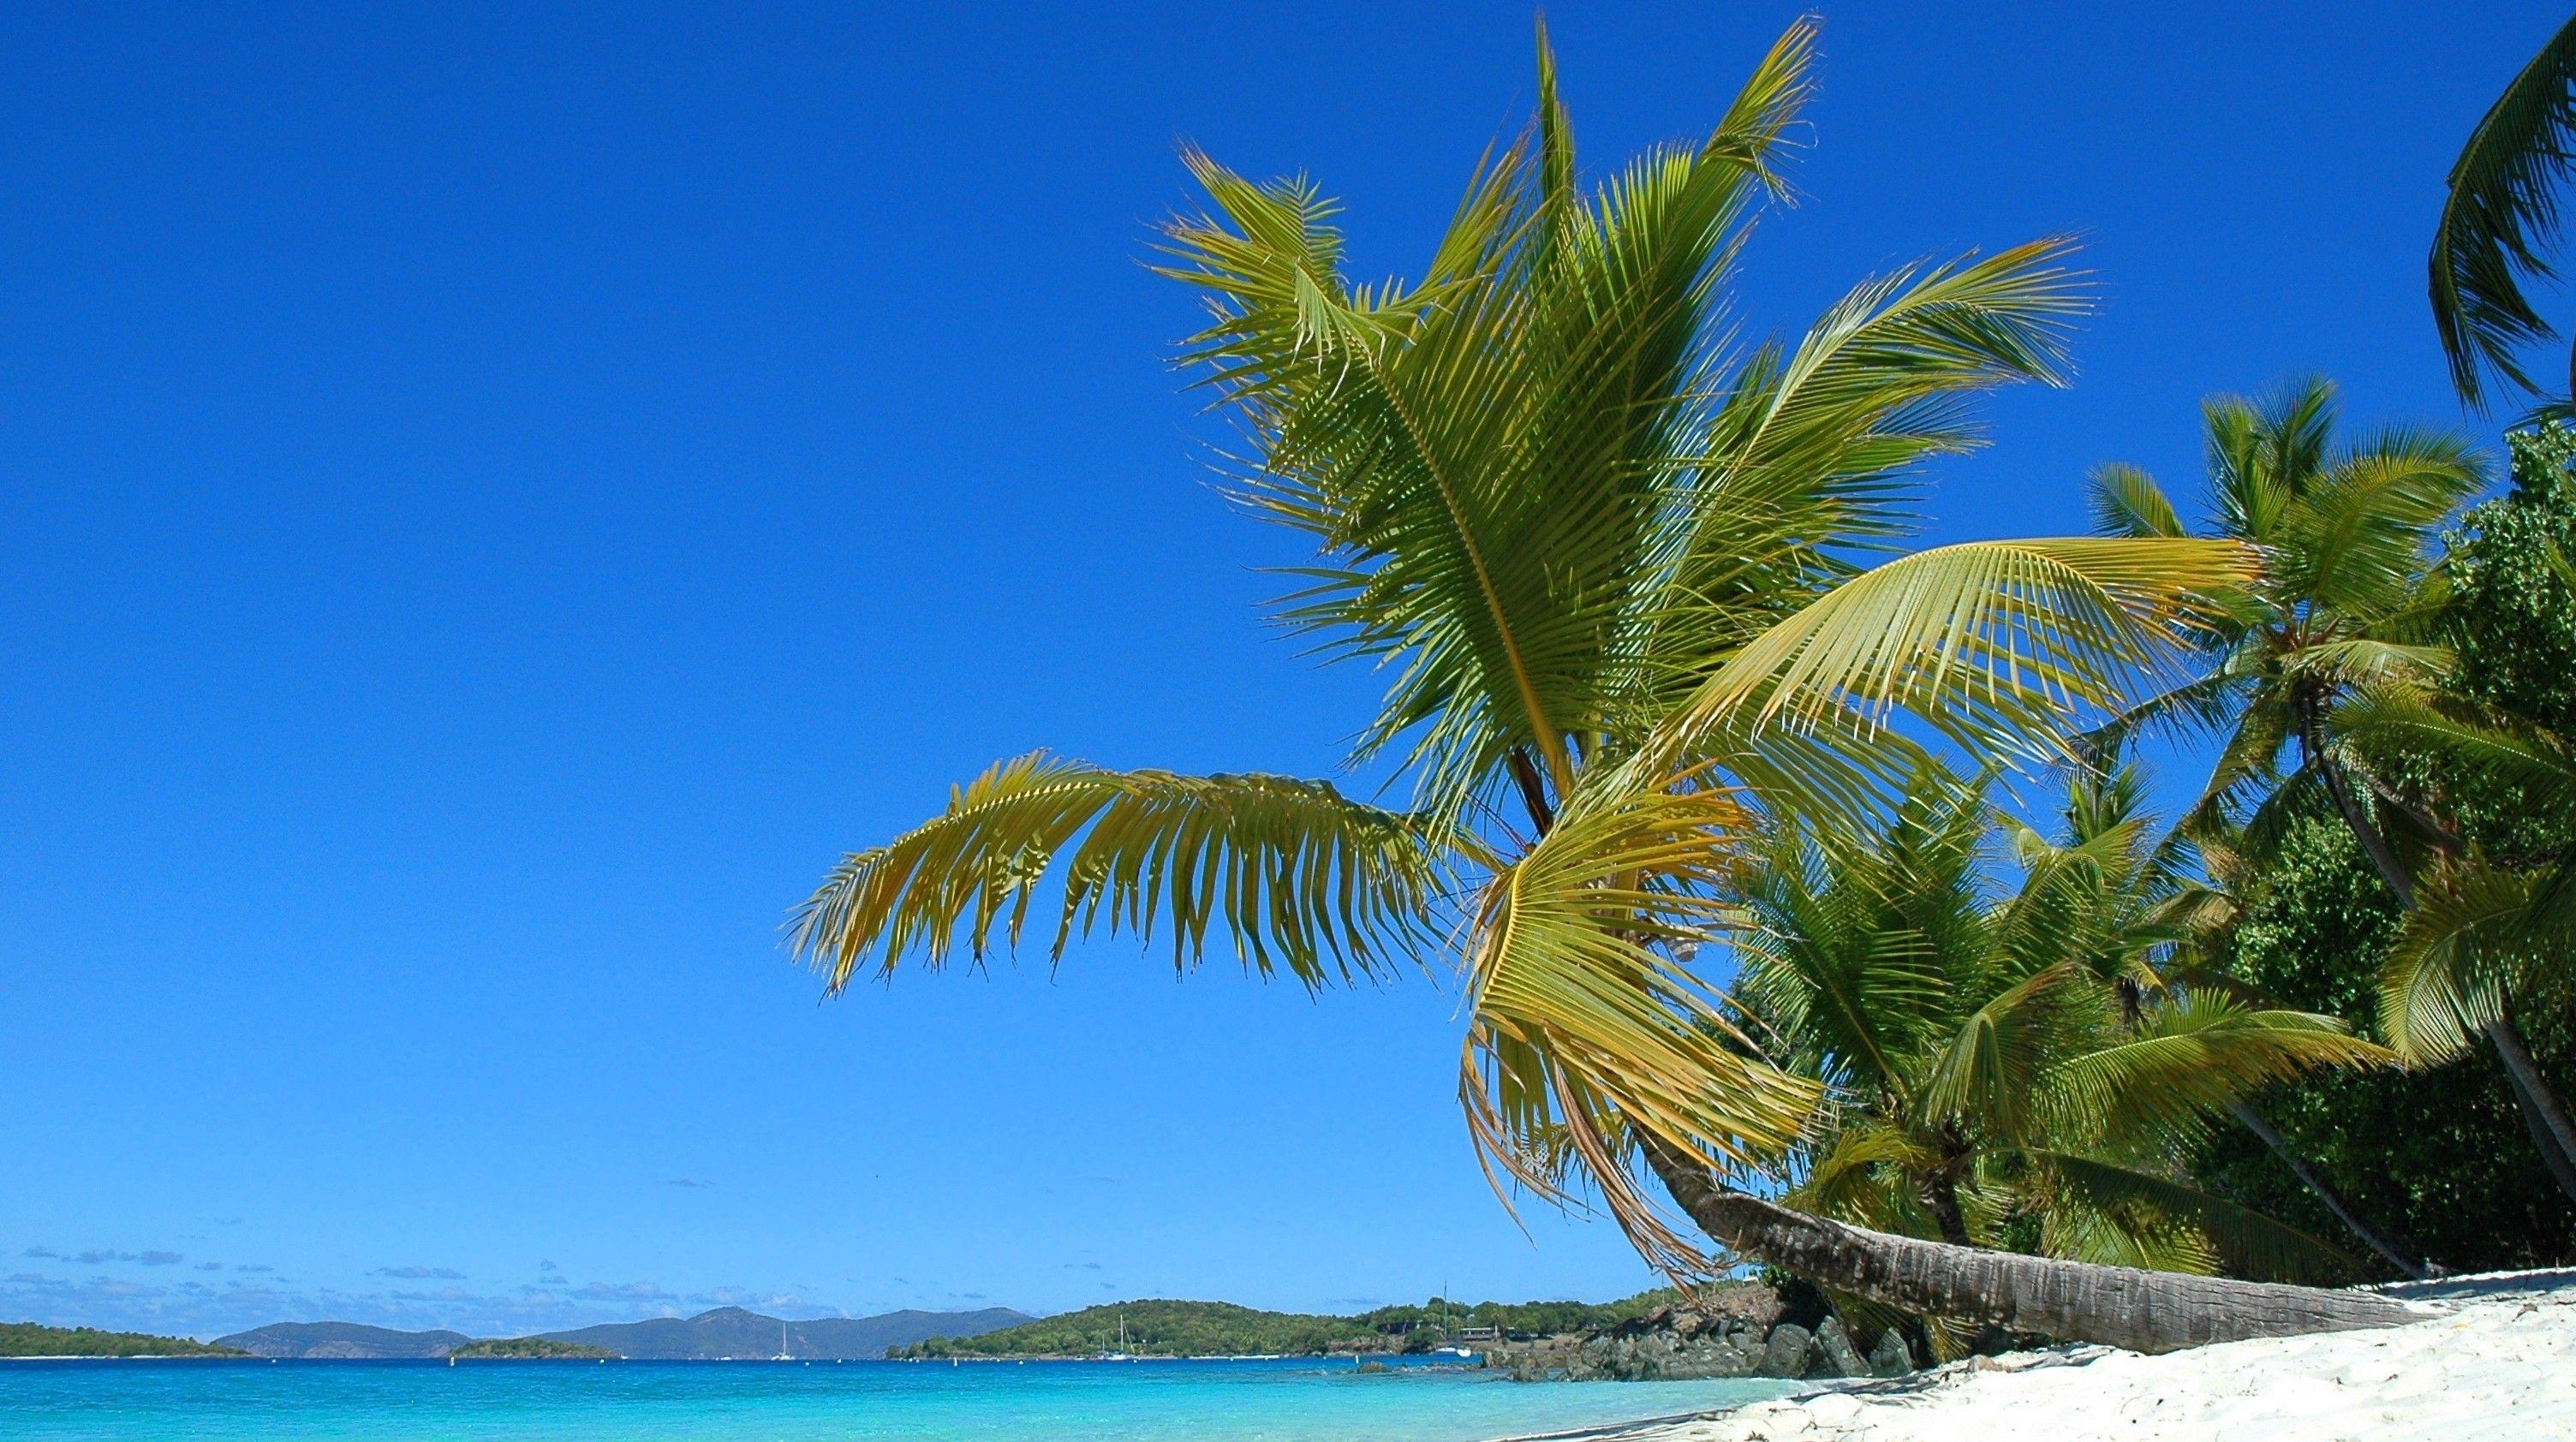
(784, 1355)
(1121, 1354)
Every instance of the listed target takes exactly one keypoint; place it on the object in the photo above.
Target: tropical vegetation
(2023, 1065)
(523, 1349)
(27, 1339)
(1615, 564)
(1221, 1329)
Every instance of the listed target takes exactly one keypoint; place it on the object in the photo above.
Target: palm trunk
(2387, 1247)
(2071, 1301)
(2543, 1114)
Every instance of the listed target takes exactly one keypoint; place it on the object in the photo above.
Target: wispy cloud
(42, 1254)
(160, 1259)
(419, 1274)
(692, 1182)
(209, 1266)
(1082, 1266)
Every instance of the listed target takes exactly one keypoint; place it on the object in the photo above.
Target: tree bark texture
(2551, 1130)
(2071, 1301)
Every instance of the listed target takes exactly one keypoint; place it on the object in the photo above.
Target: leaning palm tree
(1608, 555)
(2485, 936)
(2499, 216)
(2017, 1064)
(2350, 602)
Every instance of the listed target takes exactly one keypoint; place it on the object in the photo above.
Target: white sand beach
(2494, 1358)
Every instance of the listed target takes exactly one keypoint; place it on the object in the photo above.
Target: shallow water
(1294, 1400)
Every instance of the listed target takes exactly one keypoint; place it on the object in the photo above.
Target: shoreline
(2492, 1356)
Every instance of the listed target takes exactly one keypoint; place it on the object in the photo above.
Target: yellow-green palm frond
(1584, 1031)
(1998, 643)
(2128, 503)
(1294, 874)
(1863, 1179)
(2187, 1062)
(2455, 955)
(2358, 537)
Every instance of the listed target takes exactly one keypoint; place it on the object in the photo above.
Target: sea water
(1287, 1400)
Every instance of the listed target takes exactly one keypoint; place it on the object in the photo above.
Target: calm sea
(1268, 1401)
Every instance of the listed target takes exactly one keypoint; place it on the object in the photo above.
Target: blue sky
(494, 500)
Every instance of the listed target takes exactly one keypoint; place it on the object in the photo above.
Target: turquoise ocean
(1290, 1400)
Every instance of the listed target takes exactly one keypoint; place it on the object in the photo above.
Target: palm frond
(1584, 1031)
(1295, 875)
(2128, 503)
(2244, 1241)
(1998, 643)
(2447, 971)
(2501, 211)
(2187, 1062)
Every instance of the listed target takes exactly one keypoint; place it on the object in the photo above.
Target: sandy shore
(2494, 1358)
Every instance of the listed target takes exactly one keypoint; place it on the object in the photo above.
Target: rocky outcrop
(1748, 1331)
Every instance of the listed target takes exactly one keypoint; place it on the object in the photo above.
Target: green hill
(26, 1339)
(1222, 1329)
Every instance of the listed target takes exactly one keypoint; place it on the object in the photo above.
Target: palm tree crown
(1609, 556)
(2348, 595)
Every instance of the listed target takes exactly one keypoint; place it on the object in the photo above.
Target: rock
(1835, 1351)
(1890, 1358)
(1785, 1355)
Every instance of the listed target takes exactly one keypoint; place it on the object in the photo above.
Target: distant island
(723, 1334)
(523, 1349)
(1222, 1329)
(26, 1339)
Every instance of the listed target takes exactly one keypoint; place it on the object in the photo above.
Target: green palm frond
(2128, 503)
(2361, 529)
(2186, 1063)
(1297, 876)
(1860, 1179)
(2501, 212)
(2453, 959)
(2395, 721)
(2149, 1219)
(1989, 1068)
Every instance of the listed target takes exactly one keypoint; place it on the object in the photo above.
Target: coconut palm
(2483, 936)
(2349, 601)
(1608, 555)
(2499, 217)
(2018, 1065)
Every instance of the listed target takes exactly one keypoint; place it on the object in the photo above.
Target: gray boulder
(1889, 1358)
(1835, 1355)
(1785, 1354)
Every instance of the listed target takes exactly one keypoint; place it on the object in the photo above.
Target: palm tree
(1606, 554)
(2017, 1067)
(2483, 935)
(2349, 601)
(2499, 215)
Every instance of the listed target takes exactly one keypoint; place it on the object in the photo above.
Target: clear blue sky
(494, 500)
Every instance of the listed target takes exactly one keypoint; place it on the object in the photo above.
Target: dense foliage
(1221, 1329)
(2438, 1157)
(26, 1339)
(528, 1348)
(2012, 1067)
